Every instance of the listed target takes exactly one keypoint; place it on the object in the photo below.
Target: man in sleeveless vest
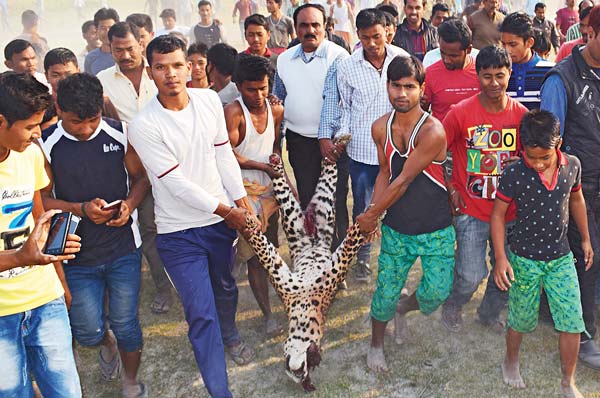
(411, 148)
(571, 91)
(253, 126)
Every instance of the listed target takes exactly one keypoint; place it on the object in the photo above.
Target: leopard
(309, 289)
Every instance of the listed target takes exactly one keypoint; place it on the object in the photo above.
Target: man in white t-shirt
(182, 140)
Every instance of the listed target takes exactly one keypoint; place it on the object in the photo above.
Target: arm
(554, 99)
(31, 252)
(554, 38)
(331, 113)
(503, 272)
(279, 88)
(351, 16)
(579, 214)
(345, 92)
(428, 95)
(235, 10)
(138, 188)
(291, 30)
(92, 209)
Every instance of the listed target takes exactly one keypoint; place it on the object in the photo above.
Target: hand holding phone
(116, 205)
(94, 210)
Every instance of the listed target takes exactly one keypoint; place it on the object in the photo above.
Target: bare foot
(569, 390)
(272, 327)
(400, 331)
(376, 359)
(512, 375)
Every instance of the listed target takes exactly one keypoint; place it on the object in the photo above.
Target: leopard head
(300, 358)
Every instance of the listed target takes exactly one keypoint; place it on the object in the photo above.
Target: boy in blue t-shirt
(545, 186)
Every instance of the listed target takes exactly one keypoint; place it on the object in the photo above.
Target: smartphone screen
(57, 237)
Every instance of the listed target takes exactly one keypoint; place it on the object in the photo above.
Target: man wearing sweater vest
(302, 72)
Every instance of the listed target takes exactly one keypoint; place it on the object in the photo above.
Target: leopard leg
(292, 217)
(268, 256)
(345, 253)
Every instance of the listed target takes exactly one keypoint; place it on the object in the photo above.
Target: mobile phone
(74, 224)
(116, 205)
(57, 237)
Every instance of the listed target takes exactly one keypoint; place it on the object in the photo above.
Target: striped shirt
(526, 81)
(364, 98)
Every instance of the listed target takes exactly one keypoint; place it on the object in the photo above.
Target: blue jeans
(88, 284)
(472, 238)
(38, 341)
(363, 178)
(199, 261)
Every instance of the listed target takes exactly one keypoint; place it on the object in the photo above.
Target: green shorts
(559, 279)
(398, 254)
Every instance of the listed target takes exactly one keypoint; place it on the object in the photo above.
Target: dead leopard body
(308, 291)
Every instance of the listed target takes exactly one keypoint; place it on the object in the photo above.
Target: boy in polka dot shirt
(545, 186)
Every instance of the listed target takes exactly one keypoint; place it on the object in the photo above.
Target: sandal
(110, 370)
(162, 302)
(142, 393)
(241, 354)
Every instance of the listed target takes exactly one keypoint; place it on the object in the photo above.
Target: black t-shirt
(540, 231)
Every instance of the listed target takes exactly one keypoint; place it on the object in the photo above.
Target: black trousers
(305, 158)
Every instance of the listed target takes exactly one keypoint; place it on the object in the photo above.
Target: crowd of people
(464, 136)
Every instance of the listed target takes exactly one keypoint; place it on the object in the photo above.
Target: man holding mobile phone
(36, 336)
(90, 164)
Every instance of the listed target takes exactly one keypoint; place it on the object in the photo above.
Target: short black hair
(402, 66)
(49, 113)
(29, 18)
(198, 48)
(164, 45)
(456, 30)
(141, 21)
(309, 5)
(204, 3)
(256, 19)
(585, 12)
(106, 13)
(370, 17)
(519, 24)
(86, 26)
(280, 2)
(541, 44)
(16, 46)
(389, 19)
(492, 57)
(81, 94)
(439, 7)
(222, 56)
(540, 129)
(539, 5)
(389, 9)
(21, 96)
(122, 29)
(60, 55)
(251, 68)
(168, 13)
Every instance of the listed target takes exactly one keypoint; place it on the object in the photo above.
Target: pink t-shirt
(445, 88)
(480, 141)
(565, 50)
(565, 17)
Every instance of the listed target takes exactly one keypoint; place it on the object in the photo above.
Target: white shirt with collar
(122, 93)
(303, 79)
(364, 98)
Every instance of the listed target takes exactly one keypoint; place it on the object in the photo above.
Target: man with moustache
(410, 191)
(302, 73)
(361, 81)
(415, 34)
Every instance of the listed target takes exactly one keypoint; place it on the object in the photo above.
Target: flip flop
(241, 354)
(110, 370)
(161, 303)
(143, 393)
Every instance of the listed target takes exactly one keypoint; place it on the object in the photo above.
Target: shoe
(452, 318)
(497, 327)
(589, 354)
(362, 272)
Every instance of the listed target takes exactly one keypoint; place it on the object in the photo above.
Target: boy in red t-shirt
(483, 135)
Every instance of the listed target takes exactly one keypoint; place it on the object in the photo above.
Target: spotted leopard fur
(308, 290)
